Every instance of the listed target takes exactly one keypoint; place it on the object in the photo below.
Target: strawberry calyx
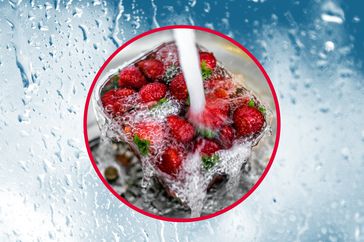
(251, 103)
(142, 144)
(210, 161)
(207, 133)
(205, 70)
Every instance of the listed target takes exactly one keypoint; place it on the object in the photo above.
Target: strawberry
(182, 130)
(220, 93)
(153, 92)
(114, 100)
(131, 77)
(151, 68)
(215, 114)
(248, 120)
(168, 55)
(206, 147)
(217, 83)
(147, 134)
(238, 101)
(108, 98)
(209, 59)
(208, 64)
(124, 92)
(226, 136)
(178, 87)
(219, 105)
(171, 161)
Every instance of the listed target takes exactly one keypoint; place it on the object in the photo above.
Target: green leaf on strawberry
(113, 83)
(143, 145)
(251, 103)
(159, 103)
(207, 133)
(209, 161)
(205, 70)
(262, 109)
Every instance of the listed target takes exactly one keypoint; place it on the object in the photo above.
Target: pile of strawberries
(228, 116)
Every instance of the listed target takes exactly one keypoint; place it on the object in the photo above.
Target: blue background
(49, 54)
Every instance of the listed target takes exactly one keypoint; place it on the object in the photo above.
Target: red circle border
(251, 190)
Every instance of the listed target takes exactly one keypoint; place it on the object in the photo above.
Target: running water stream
(190, 63)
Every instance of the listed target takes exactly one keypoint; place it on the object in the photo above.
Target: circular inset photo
(182, 123)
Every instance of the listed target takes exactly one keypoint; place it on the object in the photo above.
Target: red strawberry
(208, 63)
(152, 131)
(206, 147)
(220, 93)
(215, 114)
(239, 101)
(152, 68)
(216, 83)
(178, 87)
(182, 130)
(120, 105)
(248, 120)
(131, 77)
(114, 100)
(226, 136)
(108, 98)
(208, 59)
(168, 55)
(148, 134)
(153, 92)
(221, 106)
(123, 92)
(171, 161)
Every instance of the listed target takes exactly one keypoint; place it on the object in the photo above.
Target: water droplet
(329, 46)
(42, 27)
(77, 12)
(24, 118)
(345, 152)
(84, 32)
(324, 109)
(332, 13)
(96, 2)
(207, 7)
(356, 19)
